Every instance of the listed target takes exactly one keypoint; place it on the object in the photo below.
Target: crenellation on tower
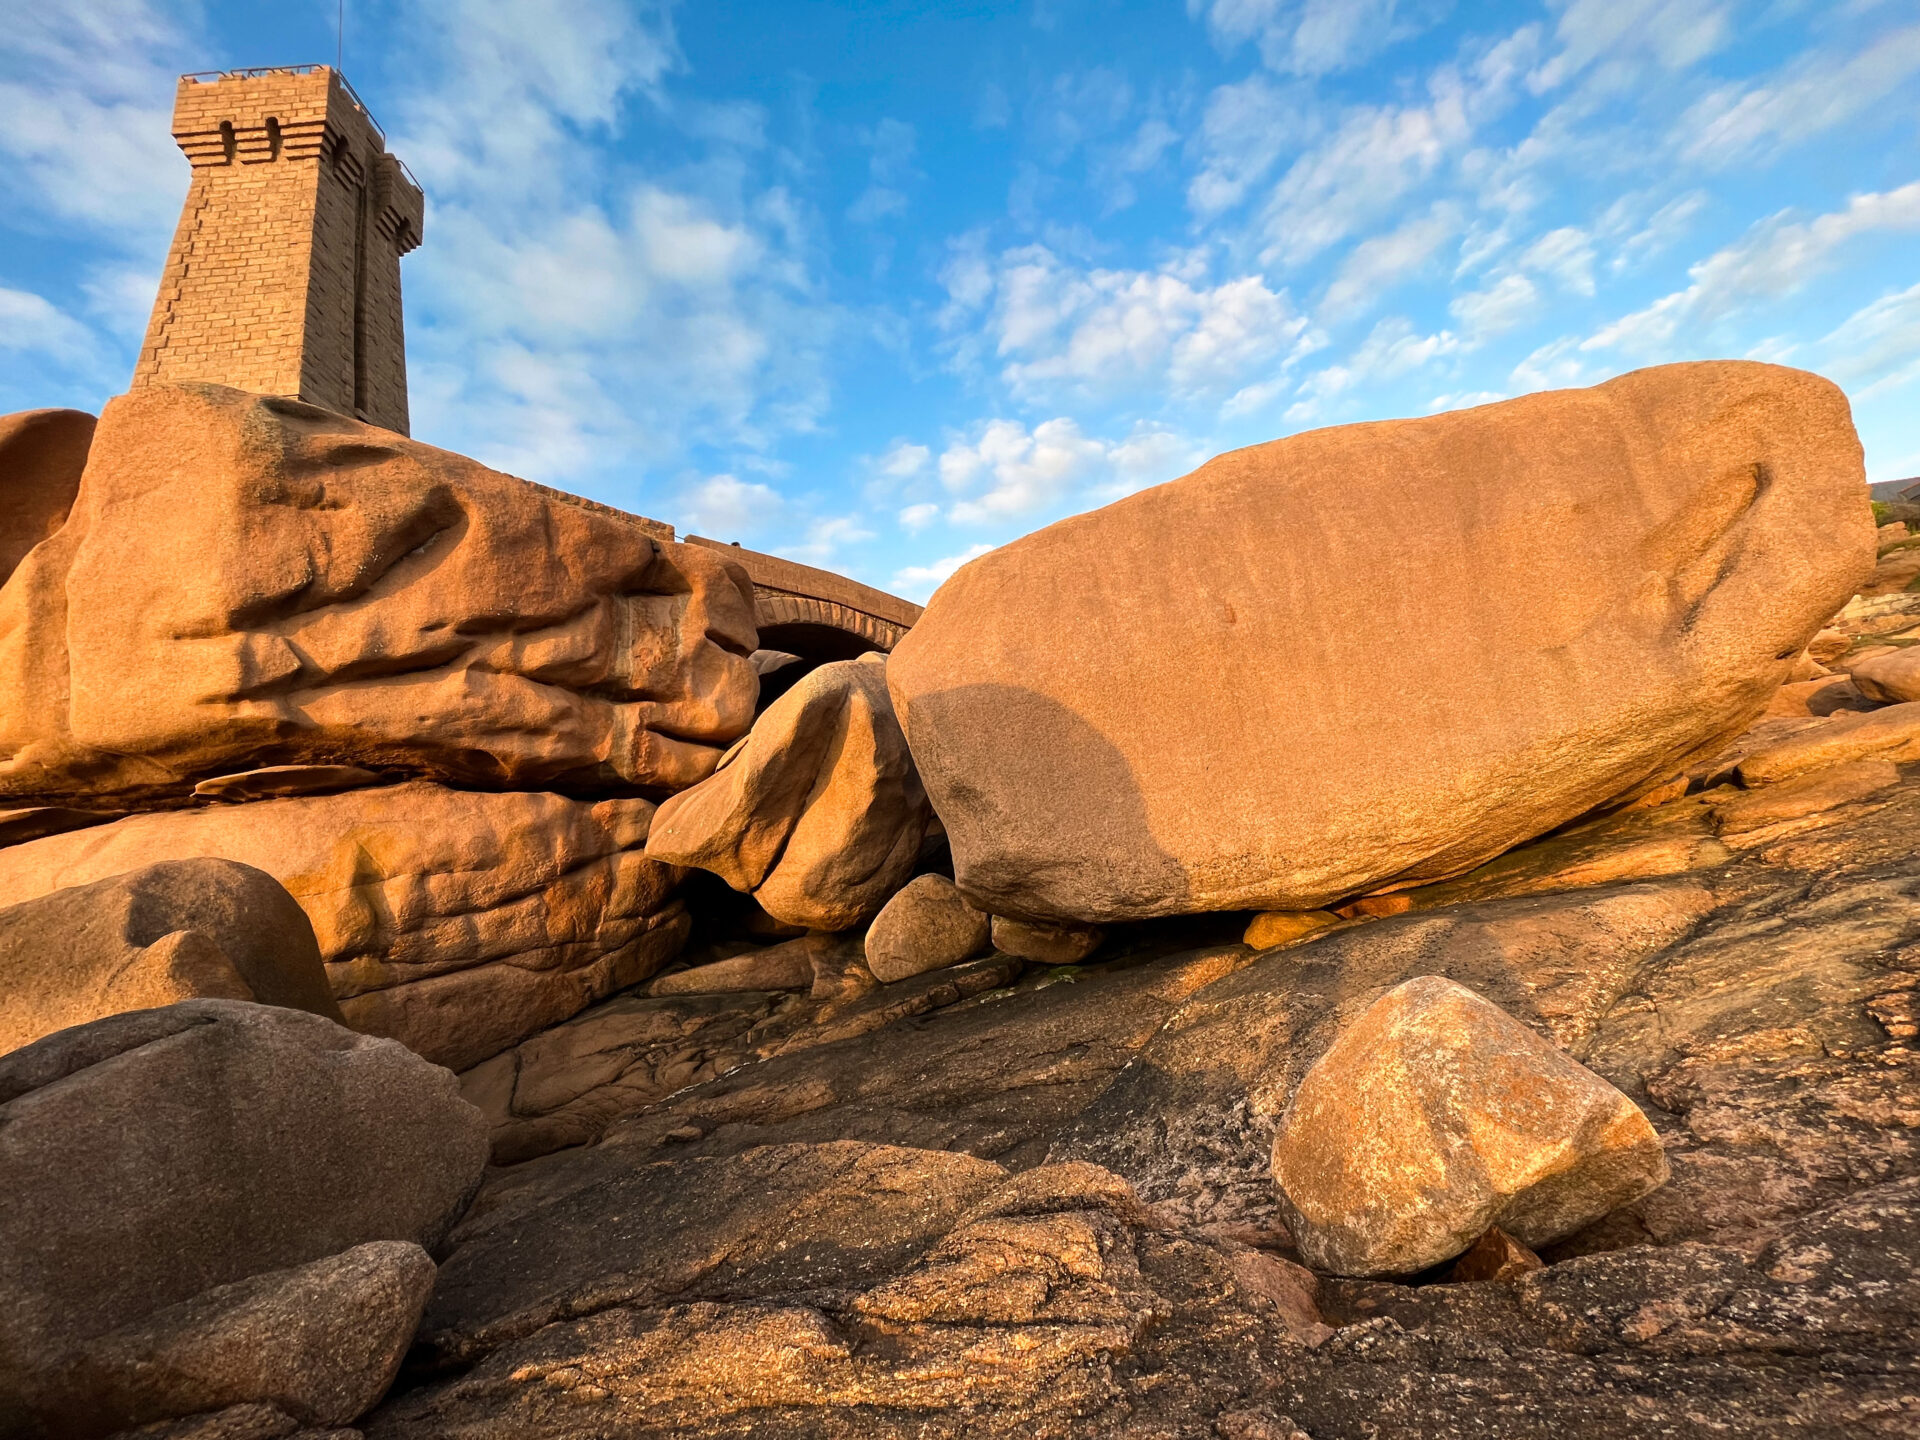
(284, 275)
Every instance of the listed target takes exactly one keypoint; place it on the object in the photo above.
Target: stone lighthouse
(284, 276)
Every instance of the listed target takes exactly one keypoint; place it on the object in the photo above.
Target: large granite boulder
(148, 1158)
(245, 580)
(458, 922)
(180, 930)
(1435, 1116)
(1228, 692)
(818, 813)
(42, 453)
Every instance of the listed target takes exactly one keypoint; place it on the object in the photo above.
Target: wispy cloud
(1777, 257)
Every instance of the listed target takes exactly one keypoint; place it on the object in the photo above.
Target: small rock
(1807, 794)
(1273, 928)
(1496, 1255)
(1889, 734)
(1436, 1115)
(180, 930)
(787, 966)
(928, 925)
(319, 1342)
(1893, 677)
(1829, 645)
(1045, 944)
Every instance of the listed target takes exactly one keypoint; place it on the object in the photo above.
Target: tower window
(273, 138)
(227, 141)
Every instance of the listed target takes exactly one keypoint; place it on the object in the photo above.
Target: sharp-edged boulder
(246, 581)
(319, 1342)
(147, 1158)
(818, 813)
(1436, 1116)
(180, 930)
(927, 925)
(42, 453)
(458, 922)
(1226, 693)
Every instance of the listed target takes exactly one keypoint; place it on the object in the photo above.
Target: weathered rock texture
(1435, 1116)
(147, 1158)
(181, 930)
(819, 813)
(319, 1342)
(455, 921)
(1754, 994)
(927, 925)
(1586, 590)
(42, 453)
(247, 581)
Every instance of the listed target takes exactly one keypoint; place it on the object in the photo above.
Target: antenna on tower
(340, 37)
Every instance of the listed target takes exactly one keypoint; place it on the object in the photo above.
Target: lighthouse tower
(284, 276)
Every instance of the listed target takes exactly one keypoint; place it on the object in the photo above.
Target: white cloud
(86, 107)
(33, 324)
(1625, 34)
(826, 536)
(1877, 347)
(1737, 123)
(1567, 255)
(1505, 306)
(724, 507)
(566, 322)
(1002, 471)
(1312, 37)
(1247, 127)
(891, 145)
(903, 461)
(1059, 329)
(1775, 258)
(1375, 266)
(1007, 471)
(917, 582)
(1554, 366)
(1360, 173)
(1647, 238)
(918, 517)
(1392, 349)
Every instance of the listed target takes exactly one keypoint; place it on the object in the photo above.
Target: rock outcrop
(247, 581)
(1587, 589)
(1434, 1117)
(818, 813)
(927, 925)
(458, 922)
(182, 930)
(148, 1158)
(42, 453)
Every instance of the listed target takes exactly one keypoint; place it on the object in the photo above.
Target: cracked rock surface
(1002, 1201)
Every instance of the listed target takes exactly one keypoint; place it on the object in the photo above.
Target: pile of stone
(329, 759)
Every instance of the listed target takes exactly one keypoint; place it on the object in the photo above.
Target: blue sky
(881, 285)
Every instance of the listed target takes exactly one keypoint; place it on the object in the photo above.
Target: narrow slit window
(227, 141)
(273, 138)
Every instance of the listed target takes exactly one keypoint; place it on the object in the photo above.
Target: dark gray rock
(147, 1158)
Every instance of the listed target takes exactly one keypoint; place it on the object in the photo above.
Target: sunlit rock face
(1380, 654)
(244, 580)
